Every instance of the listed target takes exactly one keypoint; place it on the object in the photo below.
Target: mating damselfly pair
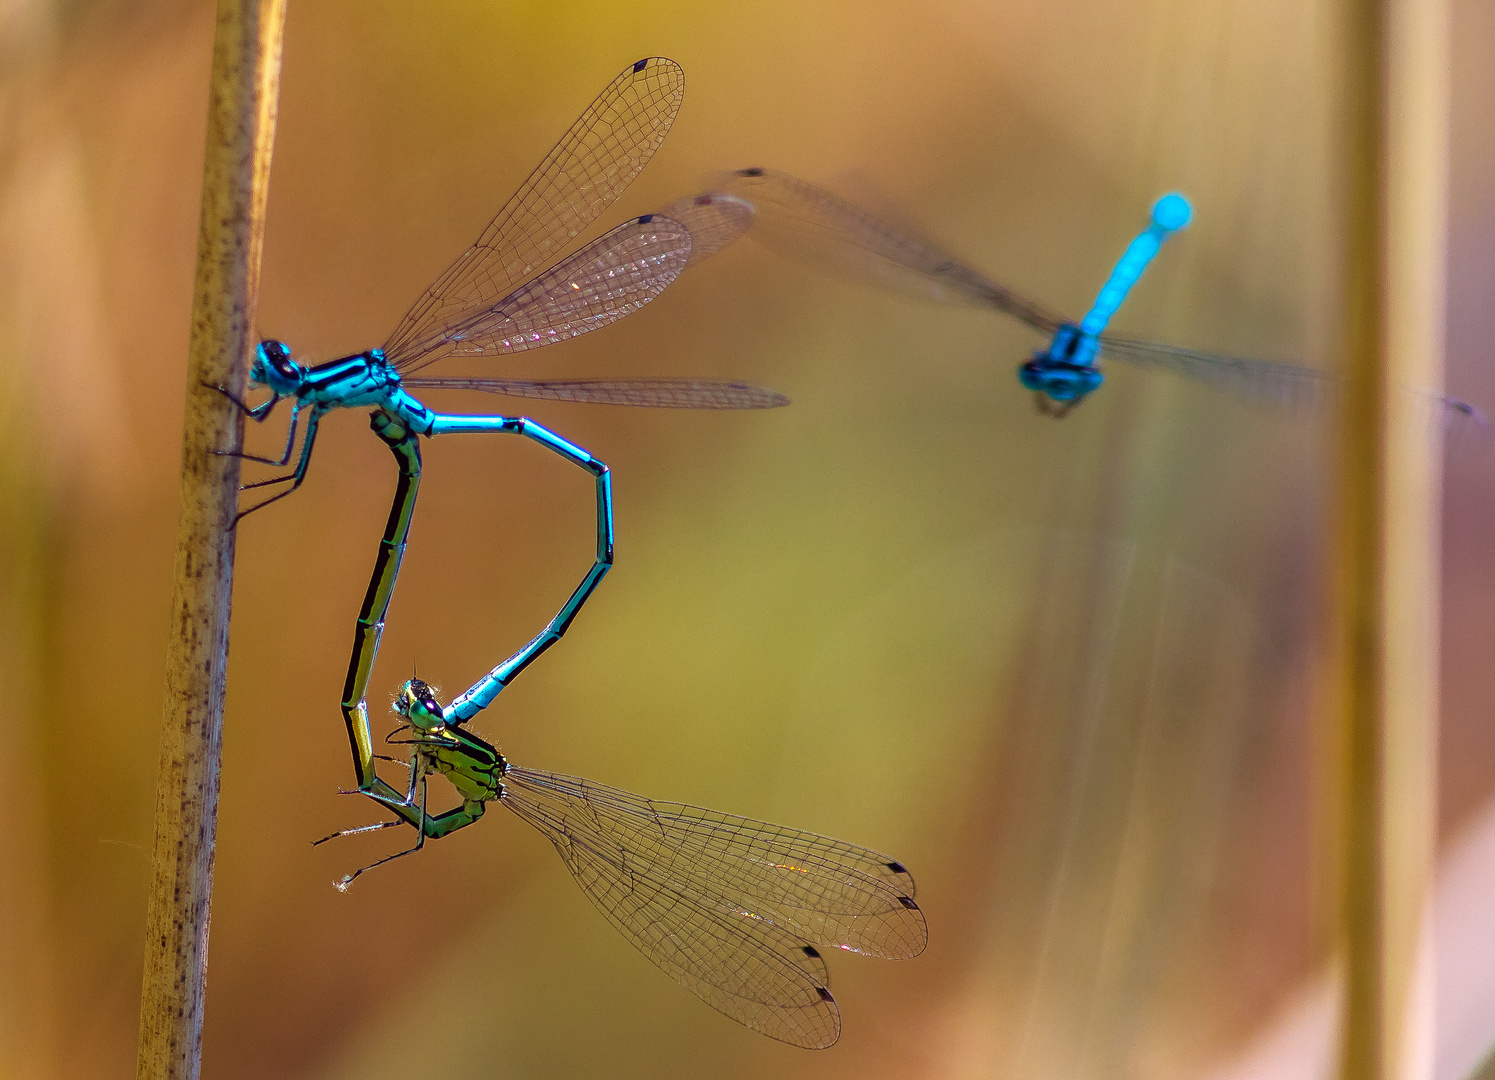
(736, 910)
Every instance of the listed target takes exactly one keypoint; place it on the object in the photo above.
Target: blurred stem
(1485, 1070)
(1394, 121)
(242, 96)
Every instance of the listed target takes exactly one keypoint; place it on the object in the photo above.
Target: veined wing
(1284, 384)
(1461, 419)
(731, 908)
(581, 176)
(613, 276)
(658, 393)
(714, 221)
(816, 226)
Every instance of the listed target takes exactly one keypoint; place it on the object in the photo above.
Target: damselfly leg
(1055, 409)
(285, 455)
(295, 477)
(420, 837)
(358, 830)
(257, 413)
(415, 777)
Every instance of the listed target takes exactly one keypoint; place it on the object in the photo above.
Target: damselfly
(735, 910)
(494, 301)
(815, 225)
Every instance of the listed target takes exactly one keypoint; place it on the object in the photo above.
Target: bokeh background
(1065, 671)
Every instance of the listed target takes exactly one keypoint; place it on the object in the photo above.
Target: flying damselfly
(817, 226)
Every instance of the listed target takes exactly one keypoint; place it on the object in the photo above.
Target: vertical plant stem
(1361, 543)
(1419, 105)
(241, 126)
(1394, 121)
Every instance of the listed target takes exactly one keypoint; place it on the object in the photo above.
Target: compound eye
(277, 356)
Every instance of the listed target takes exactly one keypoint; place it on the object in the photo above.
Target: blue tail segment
(1169, 214)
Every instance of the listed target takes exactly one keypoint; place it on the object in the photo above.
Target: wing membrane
(714, 220)
(611, 277)
(581, 176)
(649, 393)
(818, 227)
(1283, 384)
(730, 907)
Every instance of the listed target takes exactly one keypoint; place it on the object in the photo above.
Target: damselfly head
(1059, 380)
(273, 367)
(417, 703)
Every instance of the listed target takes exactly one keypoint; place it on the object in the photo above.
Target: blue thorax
(1065, 370)
(363, 379)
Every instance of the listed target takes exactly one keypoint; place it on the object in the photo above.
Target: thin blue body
(482, 693)
(1065, 372)
(1169, 214)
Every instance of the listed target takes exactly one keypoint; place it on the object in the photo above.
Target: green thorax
(474, 767)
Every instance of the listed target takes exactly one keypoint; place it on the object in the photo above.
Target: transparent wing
(611, 277)
(714, 220)
(1460, 419)
(1285, 384)
(651, 393)
(733, 909)
(581, 176)
(817, 227)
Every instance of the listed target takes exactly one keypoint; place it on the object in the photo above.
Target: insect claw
(253, 412)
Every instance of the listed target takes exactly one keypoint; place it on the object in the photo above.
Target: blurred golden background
(1065, 671)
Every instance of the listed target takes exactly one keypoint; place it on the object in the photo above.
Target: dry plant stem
(1394, 120)
(1361, 534)
(241, 126)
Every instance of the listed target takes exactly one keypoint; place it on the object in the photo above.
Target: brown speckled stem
(241, 126)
